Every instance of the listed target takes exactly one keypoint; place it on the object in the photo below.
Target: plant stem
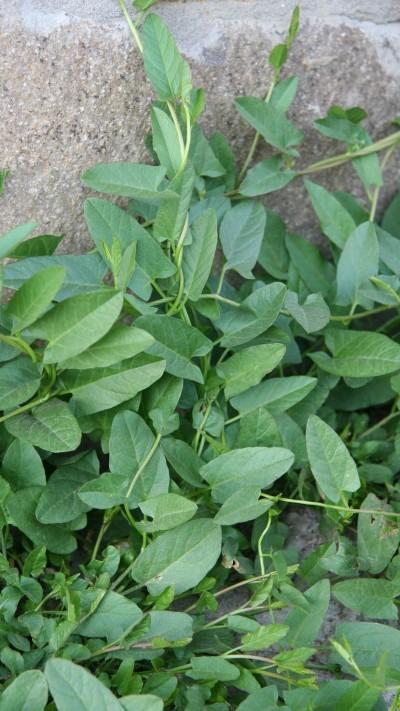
(25, 408)
(334, 507)
(260, 542)
(379, 424)
(363, 314)
(341, 158)
(220, 298)
(131, 26)
(143, 464)
(107, 518)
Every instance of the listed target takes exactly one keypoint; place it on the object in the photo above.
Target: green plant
(159, 419)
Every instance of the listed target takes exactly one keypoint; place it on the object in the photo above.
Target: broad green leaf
(304, 624)
(105, 388)
(168, 511)
(165, 141)
(73, 687)
(105, 491)
(292, 437)
(167, 71)
(115, 615)
(370, 642)
(222, 149)
(179, 558)
(378, 537)
(264, 637)
(266, 177)
(171, 216)
(241, 234)
(315, 399)
(372, 598)
(271, 123)
(333, 467)
(161, 401)
(177, 343)
(273, 255)
(76, 323)
(202, 156)
(19, 381)
(313, 314)
(142, 702)
(255, 466)
(314, 270)
(28, 692)
(22, 466)
(284, 93)
(34, 296)
(359, 354)
(389, 250)
(198, 257)
(169, 625)
(131, 441)
(107, 222)
(243, 505)
(336, 222)
(39, 246)
(256, 314)
(390, 221)
(125, 179)
(183, 458)
(212, 667)
(247, 367)
(50, 426)
(83, 273)
(358, 262)
(59, 501)
(276, 394)
(359, 697)
(265, 698)
(258, 429)
(21, 507)
(12, 239)
(119, 343)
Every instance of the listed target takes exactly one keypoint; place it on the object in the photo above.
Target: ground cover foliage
(160, 416)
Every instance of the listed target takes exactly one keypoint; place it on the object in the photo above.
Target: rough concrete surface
(73, 92)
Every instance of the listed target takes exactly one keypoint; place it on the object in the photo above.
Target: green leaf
(257, 466)
(182, 457)
(172, 213)
(277, 394)
(39, 246)
(313, 315)
(390, 221)
(359, 354)
(107, 222)
(34, 296)
(266, 177)
(247, 367)
(265, 698)
(125, 179)
(105, 491)
(161, 401)
(304, 624)
(21, 507)
(119, 343)
(273, 255)
(336, 222)
(76, 323)
(167, 71)
(243, 505)
(179, 558)
(271, 123)
(372, 598)
(278, 56)
(314, 270)
(22, 466)
(19, 381)
(72, 687)
(241, 234)
(112, 619)
(358, 262)
(212, 667)
(258, 429)
(202, 156)
(168, 511)
(165, 141)
(107, 388)
(198, 257)
(50, 426)
(131, 440)
(264, 637)
(28, 692)
(12, 239)
(284, 93)
(177, 343)
(378, 537)
(142, 702)
(369, 643)
(59, 501)
(332, 466)
(256, 314)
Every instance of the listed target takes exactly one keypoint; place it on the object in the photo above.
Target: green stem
(363, 314)
(107, 518)
(341, 158)
(25, 408)
(379, 424)
(131, 26)
(334, 507)
(143, 465)
(260, 542)
(220, 298)
(177, 129)
(20, 345)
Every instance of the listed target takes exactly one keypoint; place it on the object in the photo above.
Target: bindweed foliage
(167, 397)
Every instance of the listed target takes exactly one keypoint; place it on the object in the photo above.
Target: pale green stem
(131, 26)
(143, 465)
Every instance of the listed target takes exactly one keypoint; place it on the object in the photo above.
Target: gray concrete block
(73, 92)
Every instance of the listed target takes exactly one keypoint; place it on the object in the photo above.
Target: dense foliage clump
(160, 415)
